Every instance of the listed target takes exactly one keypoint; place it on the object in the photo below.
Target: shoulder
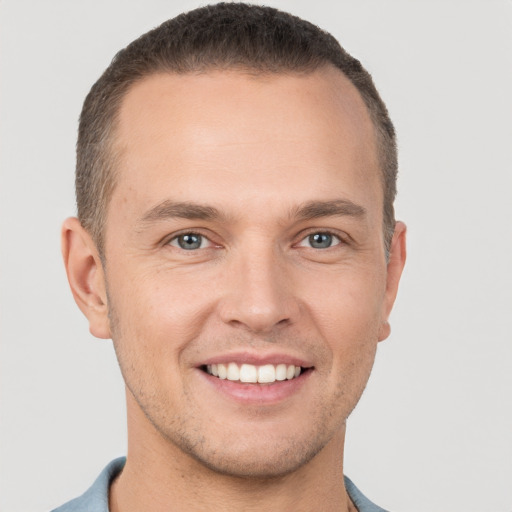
(362, 503)
(95, 499)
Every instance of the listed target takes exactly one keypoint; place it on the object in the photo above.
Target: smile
(248, 373)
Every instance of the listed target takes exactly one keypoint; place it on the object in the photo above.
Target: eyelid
(342, 238)
(303, 236)
(336, 241)
(197, 232)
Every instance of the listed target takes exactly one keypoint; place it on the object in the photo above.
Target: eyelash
(176, 238)
(336, 239)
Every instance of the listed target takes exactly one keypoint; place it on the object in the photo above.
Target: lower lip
(258, 393)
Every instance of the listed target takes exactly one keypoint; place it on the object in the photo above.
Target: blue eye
(189, 241)
(320, 240)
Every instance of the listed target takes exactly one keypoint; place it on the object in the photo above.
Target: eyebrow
(311, 210)
(339, 207)
(169, 209)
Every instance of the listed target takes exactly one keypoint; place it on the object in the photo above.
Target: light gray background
(434, 429)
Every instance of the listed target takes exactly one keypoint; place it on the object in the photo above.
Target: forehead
(252, 131)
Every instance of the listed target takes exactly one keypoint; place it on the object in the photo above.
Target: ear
(86, 276)
(394, 271)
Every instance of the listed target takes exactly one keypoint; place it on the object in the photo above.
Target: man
(236, 239)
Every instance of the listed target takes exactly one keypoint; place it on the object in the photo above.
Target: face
(245, 272)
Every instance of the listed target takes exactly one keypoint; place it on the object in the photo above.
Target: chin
(263, 460)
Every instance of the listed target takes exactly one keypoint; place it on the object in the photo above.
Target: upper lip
(257, 359)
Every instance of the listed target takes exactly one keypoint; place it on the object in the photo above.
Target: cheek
(155, 315)
(347, 314)
(345, 301)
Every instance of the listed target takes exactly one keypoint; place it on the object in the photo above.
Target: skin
(257, 150)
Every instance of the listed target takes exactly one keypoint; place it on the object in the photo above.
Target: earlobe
(85, 276)
(395, 267)
(384, 331)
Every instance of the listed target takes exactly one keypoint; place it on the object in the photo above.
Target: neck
(159, 476)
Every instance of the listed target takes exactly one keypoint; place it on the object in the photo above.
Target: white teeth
(281, 372)
(267, 373)
(250, 373)
(223, 372)
(233, 372)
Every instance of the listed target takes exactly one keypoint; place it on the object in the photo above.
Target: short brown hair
(221, 36)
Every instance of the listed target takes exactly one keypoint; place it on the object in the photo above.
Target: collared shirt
(95, 499)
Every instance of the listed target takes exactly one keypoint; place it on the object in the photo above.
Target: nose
(259, 295)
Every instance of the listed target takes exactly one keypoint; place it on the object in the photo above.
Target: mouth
(253, 374)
